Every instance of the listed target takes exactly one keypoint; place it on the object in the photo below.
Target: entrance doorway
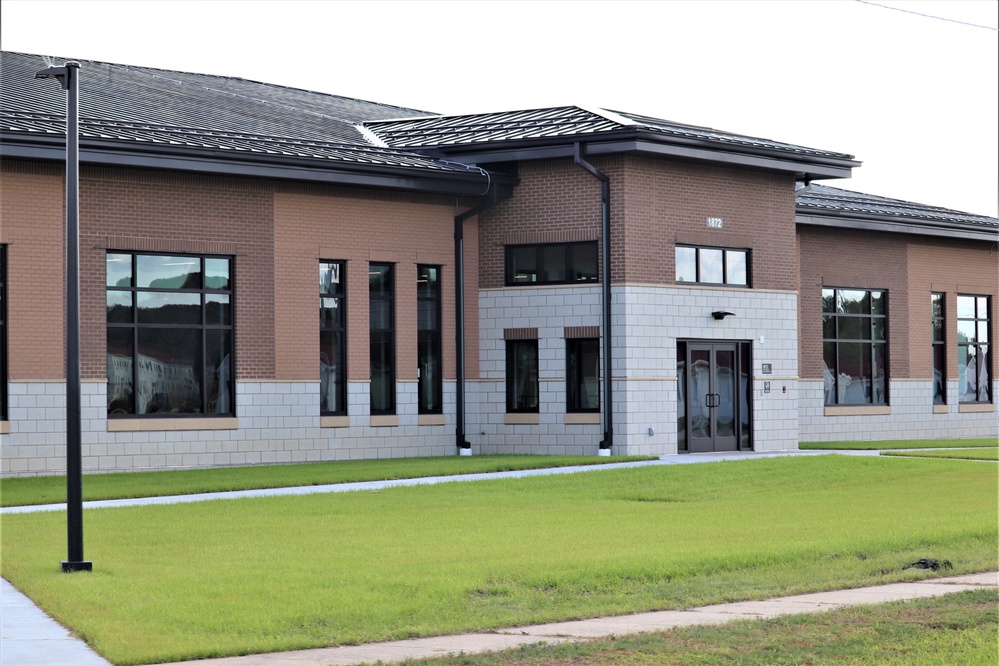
(713, 411)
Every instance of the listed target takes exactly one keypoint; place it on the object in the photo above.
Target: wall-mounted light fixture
(721, 314)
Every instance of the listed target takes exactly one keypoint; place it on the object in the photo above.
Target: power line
(939, 18)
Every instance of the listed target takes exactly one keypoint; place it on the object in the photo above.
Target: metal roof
(212, 122)
(822, 205)
(477, 134)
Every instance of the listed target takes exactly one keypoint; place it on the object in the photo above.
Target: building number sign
(715, 223)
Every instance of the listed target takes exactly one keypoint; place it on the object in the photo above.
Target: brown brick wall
(32, 223)
(134, 210)
(313, 224)
(654, 204)
(859, 259)
(951, 267)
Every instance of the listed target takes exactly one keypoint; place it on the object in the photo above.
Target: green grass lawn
(960, 628)
(904, 444)
(963, 454)
(255, 575)
(22, 491)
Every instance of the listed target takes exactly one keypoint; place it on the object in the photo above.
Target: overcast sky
(915, 98)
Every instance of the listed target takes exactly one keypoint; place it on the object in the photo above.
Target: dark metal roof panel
(816, 198)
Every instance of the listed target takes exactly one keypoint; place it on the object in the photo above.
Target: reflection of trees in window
(169, 335)
(939, 352)
(332, 338)
(973, 357)
(583, 374)
(522, 394)
(855, 346)
(381, 303)
(428, 358)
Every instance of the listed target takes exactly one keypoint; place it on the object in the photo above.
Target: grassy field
(52, 489)
(960, 628)
(904, 444)
(257, 575)
(962, 454)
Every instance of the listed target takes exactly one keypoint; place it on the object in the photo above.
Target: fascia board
(472, 184)
(898, 227)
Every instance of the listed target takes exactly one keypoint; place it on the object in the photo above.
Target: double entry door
(713, 405)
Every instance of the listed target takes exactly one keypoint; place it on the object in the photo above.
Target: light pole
(68, 76)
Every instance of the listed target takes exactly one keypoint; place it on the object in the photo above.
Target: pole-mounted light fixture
(68, 77)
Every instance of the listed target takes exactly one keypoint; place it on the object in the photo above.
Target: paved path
(29, 637)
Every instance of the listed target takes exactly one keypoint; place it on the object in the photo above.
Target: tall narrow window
(582, 374)
(3, 332)
(855, 346)
(428, 358)
(169, 335)
(973, 357)
(381, 302)
(332, 338)
(939, 351)
(522, 394)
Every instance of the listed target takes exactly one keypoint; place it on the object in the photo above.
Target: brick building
(463, 291)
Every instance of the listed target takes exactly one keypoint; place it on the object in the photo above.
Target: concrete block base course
(560, 632)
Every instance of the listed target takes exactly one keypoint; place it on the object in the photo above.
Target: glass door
(713, 401)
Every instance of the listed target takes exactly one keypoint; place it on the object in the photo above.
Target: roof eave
(472, 183)
(910, 227)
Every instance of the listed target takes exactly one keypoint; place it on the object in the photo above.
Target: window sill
(941, 409)
(582, 418)
(4, 427)
(142, 425)
(431, 419)
(386, 421)
(522, 419)
(976, 407)
(334, 421)
(858, 410)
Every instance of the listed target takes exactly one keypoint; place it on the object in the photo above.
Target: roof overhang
(315, 170)
(895, 225)
(806, 167)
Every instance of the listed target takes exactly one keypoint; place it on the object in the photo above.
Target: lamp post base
(83, 565)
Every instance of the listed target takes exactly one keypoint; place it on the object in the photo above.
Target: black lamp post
(68, 77)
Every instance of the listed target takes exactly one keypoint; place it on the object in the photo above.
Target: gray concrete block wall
(912, 416)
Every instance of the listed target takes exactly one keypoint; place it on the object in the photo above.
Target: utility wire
(939, 18)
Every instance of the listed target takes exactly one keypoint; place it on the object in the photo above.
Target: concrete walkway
(29, 637)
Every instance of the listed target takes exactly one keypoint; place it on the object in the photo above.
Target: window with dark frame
(937, 322)
(712, 265)
(169, 335)
(3, 332)
(430, 386)
(381, 304)
(332, 338)
(974, 359)
(522, 386)
(551, 263)
(582, 372)
(855, 346)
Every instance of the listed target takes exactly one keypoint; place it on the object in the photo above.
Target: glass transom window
(712, 265)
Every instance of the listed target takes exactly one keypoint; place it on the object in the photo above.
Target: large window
(381, 302)
(937, 312)
(554, 263)
(522, 393)
(332, 338)
(582, 374)
(428, 358)
(973, 358)
(855, 346)
(3, 332)
(169, 335)
(712, 265)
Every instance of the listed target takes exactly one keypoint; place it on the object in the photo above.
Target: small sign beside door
(768, 369)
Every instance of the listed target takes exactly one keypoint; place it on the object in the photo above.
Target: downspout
(464, 446)
(605, 269)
